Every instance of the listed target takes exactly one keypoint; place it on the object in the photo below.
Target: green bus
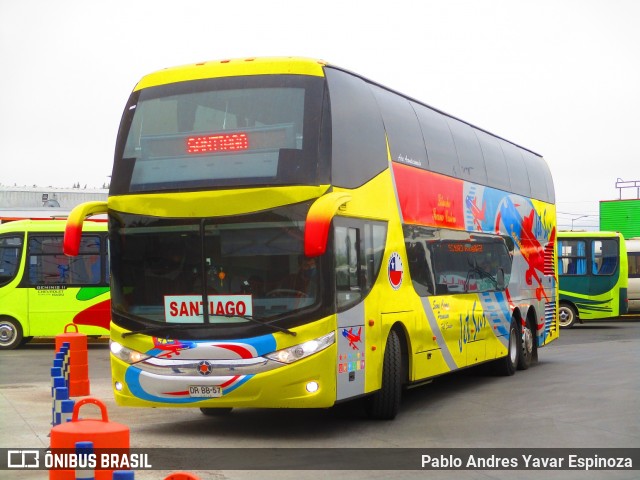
(42, 290)
(593, 276)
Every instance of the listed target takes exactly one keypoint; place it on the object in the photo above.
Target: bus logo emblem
(395, 270)
(204, 368)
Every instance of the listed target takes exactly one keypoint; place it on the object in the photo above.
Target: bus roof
(232, 68)
(49, 226)
(271, 66)
(568, 234)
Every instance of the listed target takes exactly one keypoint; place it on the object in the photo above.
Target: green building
(621, 216)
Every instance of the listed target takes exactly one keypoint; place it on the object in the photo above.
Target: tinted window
(634, 265)
(48, 265)
(572, 257)
(604, 256)
(359, 150)
(10, 253)
(469, 153)
(440, 147)
(358, 251)
(251, 130)
(421, 268)
(517, 171)
(444, 261)
(403, 130)
(495, 164)
(549, 180)
(536, 168)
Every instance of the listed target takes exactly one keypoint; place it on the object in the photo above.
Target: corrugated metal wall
(621, 216)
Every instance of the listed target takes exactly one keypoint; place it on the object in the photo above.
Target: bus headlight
(302, 350)
(126, 354)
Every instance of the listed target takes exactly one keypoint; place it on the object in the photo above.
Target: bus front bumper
(306, 383)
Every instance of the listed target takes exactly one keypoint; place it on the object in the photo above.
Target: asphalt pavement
(583, 393)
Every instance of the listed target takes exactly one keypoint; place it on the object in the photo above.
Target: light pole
(577, 218)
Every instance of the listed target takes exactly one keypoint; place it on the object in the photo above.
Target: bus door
(358, 248)
(350, 321)
(55, 279)
(47, 276)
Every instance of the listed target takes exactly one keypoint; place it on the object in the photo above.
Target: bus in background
(33, 213)
(592, 276)
(633, 290)
(42, 290)
(285, 233)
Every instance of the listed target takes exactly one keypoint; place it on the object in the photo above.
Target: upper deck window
(238, 131)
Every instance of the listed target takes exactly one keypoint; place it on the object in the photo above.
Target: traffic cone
(78, 377)
(103, 433)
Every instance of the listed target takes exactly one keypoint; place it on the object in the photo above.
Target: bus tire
(527, 352)
(385, 403)
(507, 365)
(10, 333)
(216, 412)
(567, 314)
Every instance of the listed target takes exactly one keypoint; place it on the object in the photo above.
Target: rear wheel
(507, 365)
(10, 333)
(216, 412)
(568, 315)
(527, 353)
(385, 403)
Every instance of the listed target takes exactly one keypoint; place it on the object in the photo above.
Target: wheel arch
(565, 302)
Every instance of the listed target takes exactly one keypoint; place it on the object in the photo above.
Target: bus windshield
(242, 268)
(254, 130)
(10, 252)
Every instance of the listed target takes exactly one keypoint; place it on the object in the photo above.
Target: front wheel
(567, 315)
(10, 333)
(385, 403)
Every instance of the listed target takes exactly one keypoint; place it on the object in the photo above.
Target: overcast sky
(561, 78)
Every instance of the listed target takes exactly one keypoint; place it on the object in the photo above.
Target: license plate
(207, 391)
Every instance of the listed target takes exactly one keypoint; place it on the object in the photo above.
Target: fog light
(312, 387)
(118, 386)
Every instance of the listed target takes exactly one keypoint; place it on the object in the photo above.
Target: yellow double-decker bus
(285, 233)
(42, 290)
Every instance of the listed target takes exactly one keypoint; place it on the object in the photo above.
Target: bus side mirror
(73, 229)
(316, 230)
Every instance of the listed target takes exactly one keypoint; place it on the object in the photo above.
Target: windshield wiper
(482, 273)
(260, 322)
(163, 327)
(175, 326)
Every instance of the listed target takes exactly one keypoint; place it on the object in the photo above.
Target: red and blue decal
(353, 338)
(140, 385)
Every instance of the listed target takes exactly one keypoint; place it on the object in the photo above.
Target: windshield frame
(232, 326)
